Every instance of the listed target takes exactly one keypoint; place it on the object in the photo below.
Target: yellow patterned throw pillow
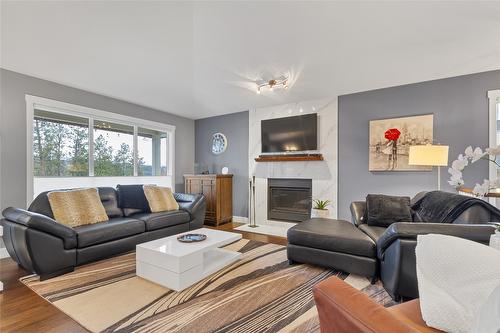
(160, 198)
(77, 207)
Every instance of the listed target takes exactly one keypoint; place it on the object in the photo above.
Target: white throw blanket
(455, 278)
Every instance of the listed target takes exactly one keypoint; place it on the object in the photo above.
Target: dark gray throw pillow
(383, 210)
(131, 199)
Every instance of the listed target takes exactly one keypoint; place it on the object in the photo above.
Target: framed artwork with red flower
(390, 141)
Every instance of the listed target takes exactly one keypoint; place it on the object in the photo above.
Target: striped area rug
(259, 293)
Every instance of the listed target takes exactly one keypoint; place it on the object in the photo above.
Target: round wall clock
(219, 143)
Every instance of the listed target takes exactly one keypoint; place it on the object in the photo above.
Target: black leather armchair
(396, 243)
(396, 251)
(41, 245)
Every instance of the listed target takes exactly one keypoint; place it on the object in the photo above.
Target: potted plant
(319, 208)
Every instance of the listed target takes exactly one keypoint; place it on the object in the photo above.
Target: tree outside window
(61, 148)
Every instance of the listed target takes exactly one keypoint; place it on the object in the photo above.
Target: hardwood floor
(21, 310)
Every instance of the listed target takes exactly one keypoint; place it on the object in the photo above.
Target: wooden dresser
(218, 192)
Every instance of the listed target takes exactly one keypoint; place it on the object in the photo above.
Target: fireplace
(289, 199)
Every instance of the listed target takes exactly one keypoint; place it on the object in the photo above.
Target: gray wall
(14, 86)
(460, 108)
(235, 127)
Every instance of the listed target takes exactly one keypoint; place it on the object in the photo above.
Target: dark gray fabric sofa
(43, 246)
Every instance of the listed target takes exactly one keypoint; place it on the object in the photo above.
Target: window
(113, 149)
(75, 146)
(494, 105)
(60, 145)
(152, 152)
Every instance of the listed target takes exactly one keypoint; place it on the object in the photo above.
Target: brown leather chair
(343, 309)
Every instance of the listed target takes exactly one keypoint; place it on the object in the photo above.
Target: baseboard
(240, 219)
(4, 253)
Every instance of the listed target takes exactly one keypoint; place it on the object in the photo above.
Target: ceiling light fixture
(281, 82)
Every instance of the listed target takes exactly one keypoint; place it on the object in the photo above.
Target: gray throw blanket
(445, 207)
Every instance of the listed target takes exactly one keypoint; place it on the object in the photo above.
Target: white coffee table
(178, 265)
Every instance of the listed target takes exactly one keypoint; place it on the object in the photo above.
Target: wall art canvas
(390, 141)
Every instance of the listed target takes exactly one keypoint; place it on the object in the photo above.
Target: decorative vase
(495, 240)
(323, 213)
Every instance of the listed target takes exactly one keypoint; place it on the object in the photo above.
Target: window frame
(493, 100)
(50, 105)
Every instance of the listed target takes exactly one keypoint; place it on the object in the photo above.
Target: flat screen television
(290, 134)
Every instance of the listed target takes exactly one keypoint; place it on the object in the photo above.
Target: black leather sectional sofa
(382, 252)
(41, 245)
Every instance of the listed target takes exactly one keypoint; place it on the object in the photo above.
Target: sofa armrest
(342, 308)
(358, 209)
(409, 230)
(195, 205)
(189, 202)
(42, 223)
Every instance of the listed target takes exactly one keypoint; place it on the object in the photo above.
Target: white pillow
(455, 278)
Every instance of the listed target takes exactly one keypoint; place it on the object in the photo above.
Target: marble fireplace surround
(323, 173)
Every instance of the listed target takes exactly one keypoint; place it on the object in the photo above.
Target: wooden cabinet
(218, 192)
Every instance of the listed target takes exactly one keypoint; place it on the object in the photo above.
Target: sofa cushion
(332, 235)
(372, 232)
(132, 211)
(108, 197)
(109, 200)
(160, 220)
(160, 198)
(77, 207)
(132, 199)
(383, 210)
(115, 228)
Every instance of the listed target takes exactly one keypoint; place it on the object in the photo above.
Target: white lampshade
(431, 155)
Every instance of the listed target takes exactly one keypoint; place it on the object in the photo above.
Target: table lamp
(429, 155)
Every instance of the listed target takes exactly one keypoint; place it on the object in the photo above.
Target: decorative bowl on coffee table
(191, 238)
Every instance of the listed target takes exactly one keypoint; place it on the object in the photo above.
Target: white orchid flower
(483, 189)
(456, 178)
(469, 152)
(477, 155)
(454, 172)
(456, 182)
(493, 151)
(459, 164)
(464, 159)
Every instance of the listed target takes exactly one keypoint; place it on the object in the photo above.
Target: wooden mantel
(289, 158)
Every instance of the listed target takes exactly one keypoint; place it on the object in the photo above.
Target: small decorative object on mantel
(219, 143)
(225, 170)
(390, 141)
(471, 156)
(191, 238)
(319, 208)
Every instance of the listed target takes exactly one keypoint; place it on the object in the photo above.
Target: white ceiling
(199, 59)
